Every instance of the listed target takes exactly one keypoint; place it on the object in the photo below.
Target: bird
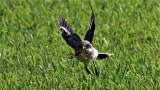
(84, 50)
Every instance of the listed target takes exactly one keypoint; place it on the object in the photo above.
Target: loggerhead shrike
(84, 51)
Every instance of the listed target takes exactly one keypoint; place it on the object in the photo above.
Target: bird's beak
(84, 47)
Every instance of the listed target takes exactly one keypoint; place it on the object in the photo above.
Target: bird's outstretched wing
(90, 33)
(69, 36)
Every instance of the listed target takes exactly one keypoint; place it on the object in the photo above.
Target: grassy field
(33, 54)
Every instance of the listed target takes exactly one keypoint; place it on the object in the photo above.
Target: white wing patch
(91, 24)
(63, 28)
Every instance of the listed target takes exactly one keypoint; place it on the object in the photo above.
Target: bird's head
(84, 45)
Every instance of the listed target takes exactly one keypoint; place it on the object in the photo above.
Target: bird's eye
(87, 45)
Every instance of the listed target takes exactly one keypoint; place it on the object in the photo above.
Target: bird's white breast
(87, 55)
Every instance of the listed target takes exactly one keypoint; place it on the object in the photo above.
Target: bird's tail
(102, 56)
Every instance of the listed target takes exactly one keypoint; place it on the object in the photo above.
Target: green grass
(33, 55)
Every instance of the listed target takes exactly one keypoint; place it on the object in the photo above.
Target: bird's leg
(86, 68)
(97, 73)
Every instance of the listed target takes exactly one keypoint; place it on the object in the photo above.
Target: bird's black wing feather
(90, 33)
(69, 36)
